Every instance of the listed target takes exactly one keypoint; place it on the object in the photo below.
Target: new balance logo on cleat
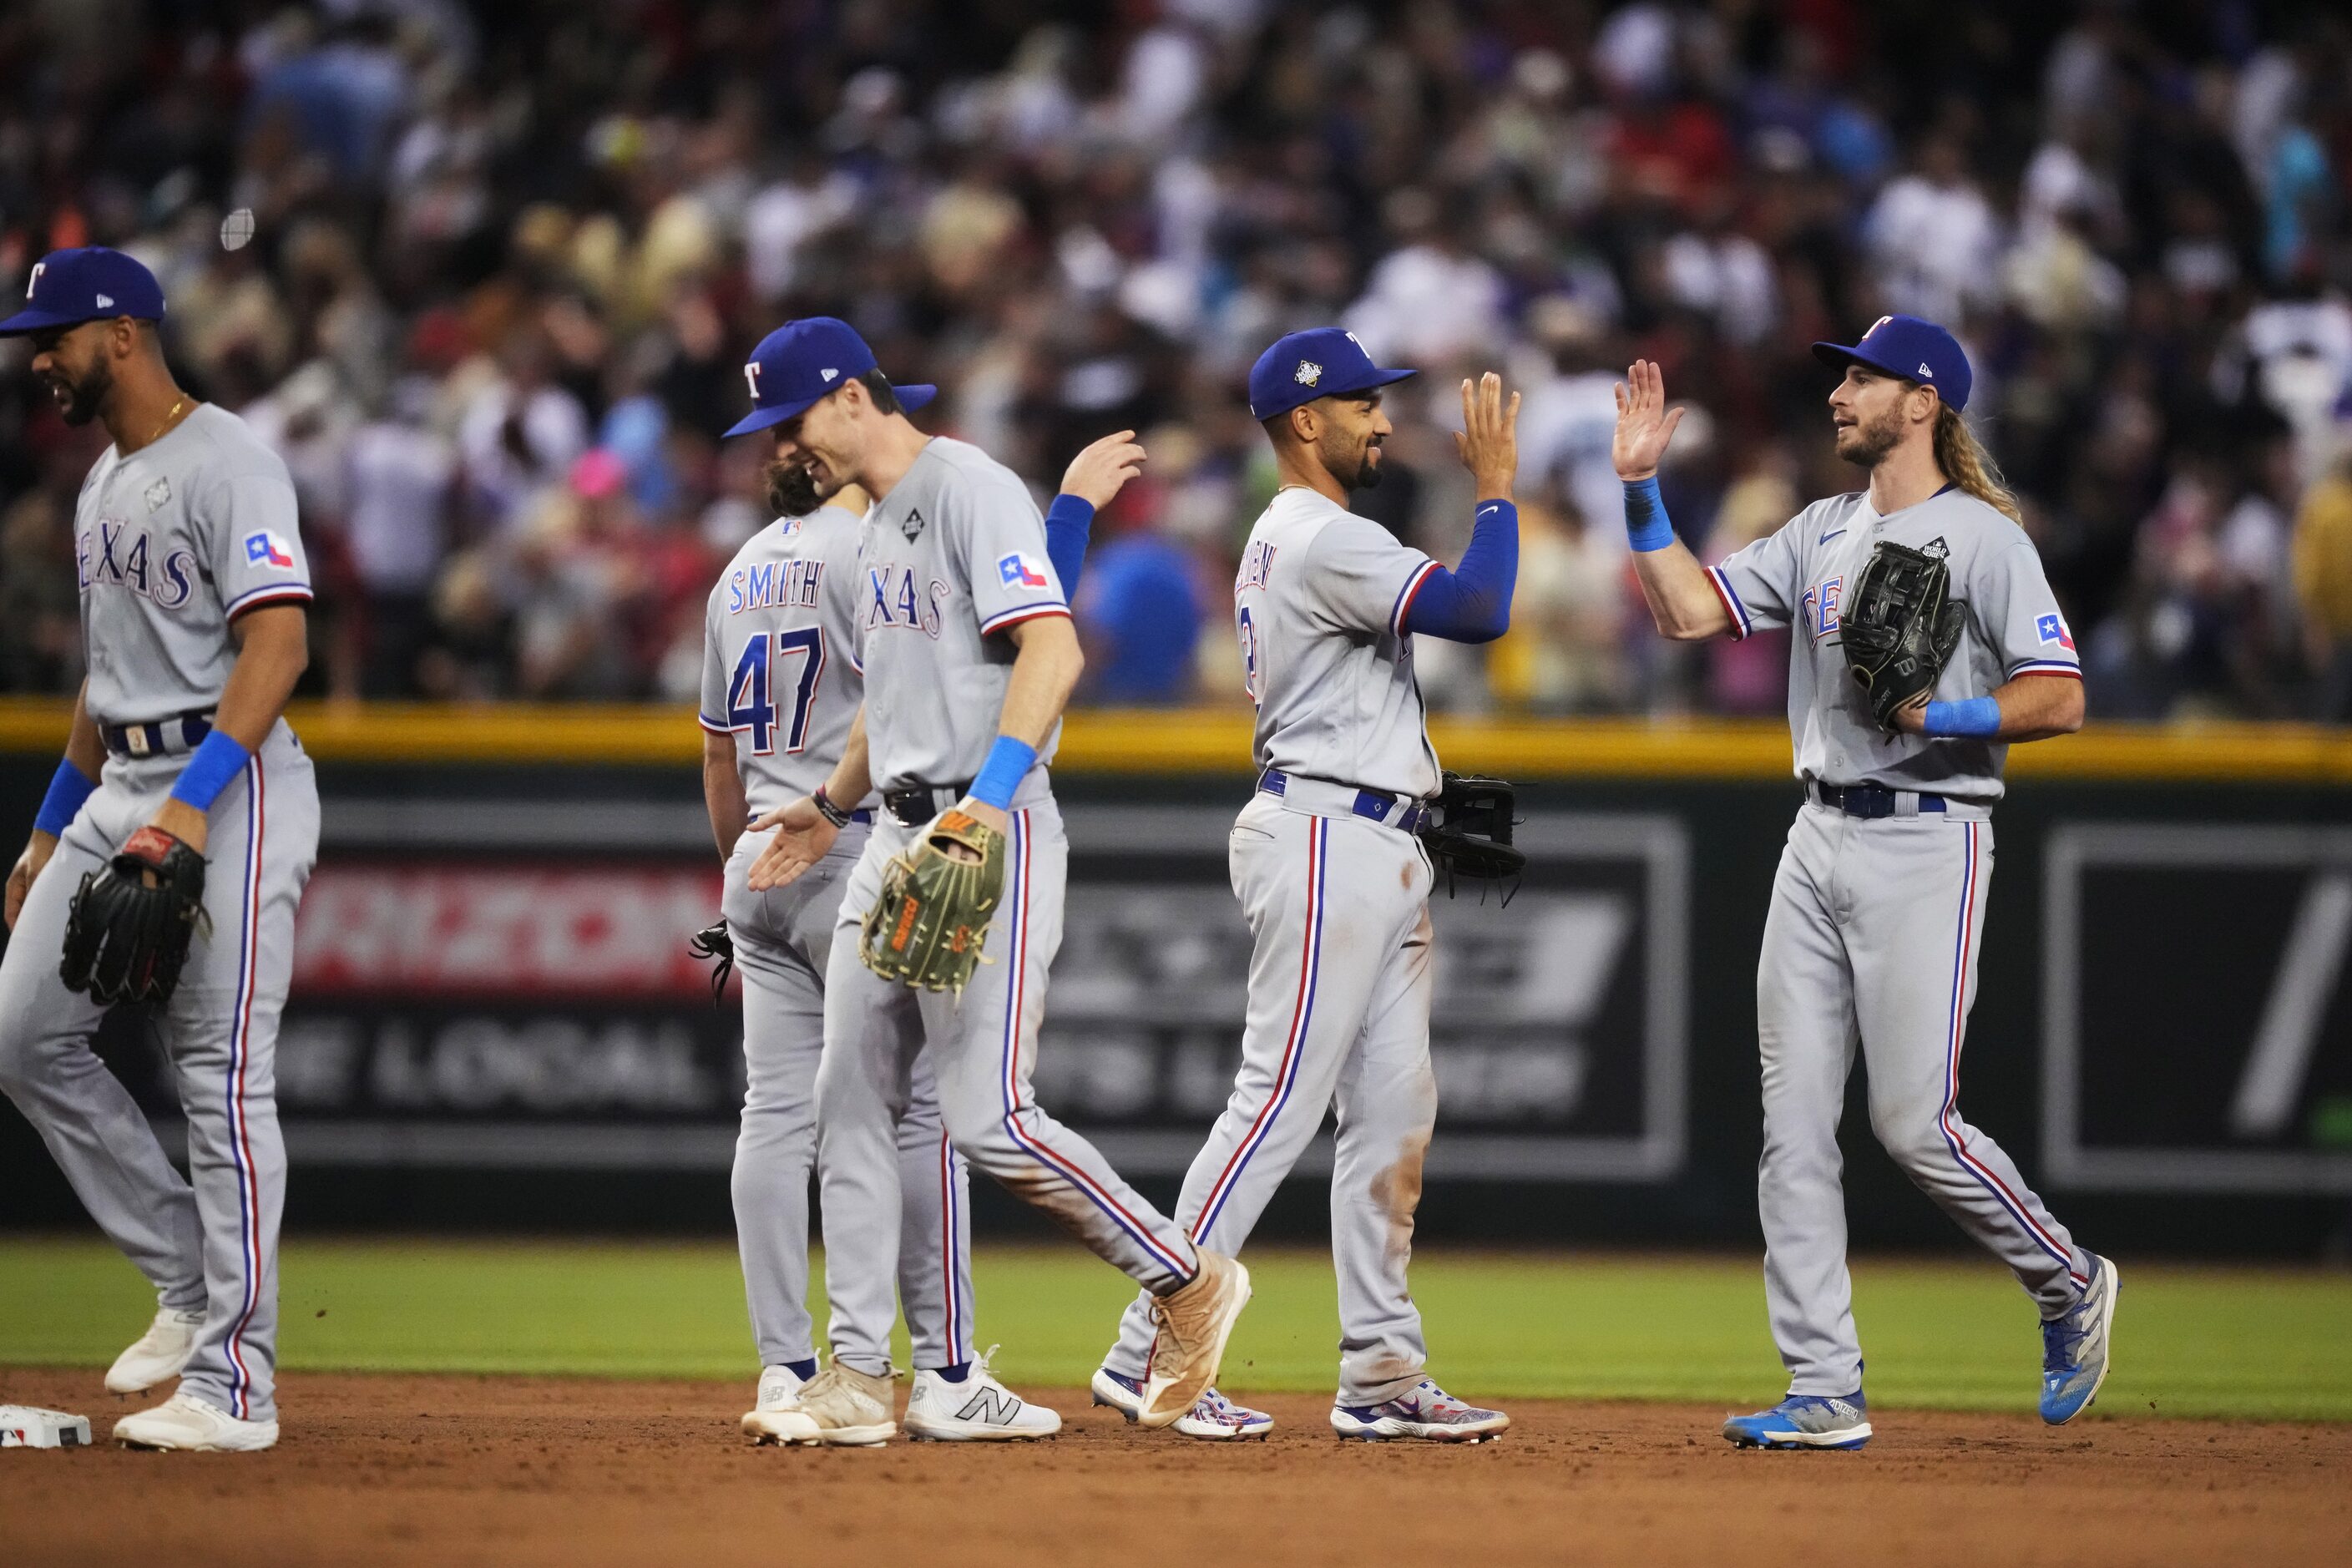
(994, 1407)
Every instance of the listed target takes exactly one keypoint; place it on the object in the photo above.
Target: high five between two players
(1925, 641)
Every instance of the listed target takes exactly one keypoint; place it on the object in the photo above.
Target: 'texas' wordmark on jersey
(171, 543)
(894, 604)
(101, 555)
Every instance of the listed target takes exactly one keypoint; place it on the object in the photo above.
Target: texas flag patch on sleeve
(266, 549)
(1017, 571)
(2051, 628)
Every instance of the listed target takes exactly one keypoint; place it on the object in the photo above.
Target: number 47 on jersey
(751, 703)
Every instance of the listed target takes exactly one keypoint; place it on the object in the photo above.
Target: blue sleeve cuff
(1971, 716)
(1646, 527)
(68, 787)
(213, 767)
(1067, 524)
(1008, 762)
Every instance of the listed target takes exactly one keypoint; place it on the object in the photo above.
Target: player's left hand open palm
(802, 838)
(1488, 441)
(1102, 471)
(1644, 423)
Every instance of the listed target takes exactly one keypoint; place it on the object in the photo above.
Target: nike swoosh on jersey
(1825, 538)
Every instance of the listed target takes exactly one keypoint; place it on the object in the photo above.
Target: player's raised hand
(1102, 471)
(1488, 441)
(801, 839)
(1644, 423)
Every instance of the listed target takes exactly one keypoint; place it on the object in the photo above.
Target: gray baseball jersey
(1875, 923)
(953, 557)
(1797, 577)
(780, 666)
(1319, 605)
(174, 541)
(171, 543)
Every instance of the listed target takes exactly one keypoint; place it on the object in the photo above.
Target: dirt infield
(454, 1470)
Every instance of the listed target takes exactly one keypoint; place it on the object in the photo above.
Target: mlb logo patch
(266, 549)
(1017, 571)
(2053, 629)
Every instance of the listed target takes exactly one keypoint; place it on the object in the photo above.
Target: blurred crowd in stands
(509, 260)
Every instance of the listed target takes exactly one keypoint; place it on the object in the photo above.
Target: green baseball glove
(928, 924)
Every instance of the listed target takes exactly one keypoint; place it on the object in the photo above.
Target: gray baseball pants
(783, 939)
(1872, 939)
(1338, 1012)
(208, 1242)
(981, 1046)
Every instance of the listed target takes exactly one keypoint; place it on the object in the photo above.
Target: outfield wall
(494, 1022)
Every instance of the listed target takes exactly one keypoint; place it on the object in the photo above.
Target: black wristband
(827, 809)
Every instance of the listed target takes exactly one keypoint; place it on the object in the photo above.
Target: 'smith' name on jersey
(774, 584)
(113, 554)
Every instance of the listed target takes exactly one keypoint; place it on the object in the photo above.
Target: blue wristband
(216, 762)
(1646, 527)
(1008, 764)
(68, 787)
(1969, 716)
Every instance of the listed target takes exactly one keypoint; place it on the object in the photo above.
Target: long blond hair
(1967, 464)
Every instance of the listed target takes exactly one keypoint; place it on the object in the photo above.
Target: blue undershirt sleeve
(1472, 603)
(1067, 523)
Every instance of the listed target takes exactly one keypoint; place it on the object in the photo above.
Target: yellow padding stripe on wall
(1218, 742)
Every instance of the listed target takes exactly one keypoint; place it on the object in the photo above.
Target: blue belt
(1373, 804)
(1869, 799)
(160, 738)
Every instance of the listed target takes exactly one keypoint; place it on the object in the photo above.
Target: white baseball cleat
(977, 1410)
(1213, 1418)
(158, 1355)
(779, 1390)
(1194, 1324)
(185, 1423)
(840, 1407)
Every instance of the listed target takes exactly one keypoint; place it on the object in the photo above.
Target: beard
(1868, 443)
(85, 398)
(1357, 471)
(792, 490)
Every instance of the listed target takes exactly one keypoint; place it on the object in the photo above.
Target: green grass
(2191, 1340)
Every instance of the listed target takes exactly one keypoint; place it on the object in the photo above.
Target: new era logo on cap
(106, 302)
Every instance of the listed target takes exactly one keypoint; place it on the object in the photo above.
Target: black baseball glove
(715, 940)
(1899, 626)
(1468, 832)
(128, 931)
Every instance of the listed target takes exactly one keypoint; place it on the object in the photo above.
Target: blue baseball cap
(1322, 362)
(87, 284)
(801, 362)
(1907, 347)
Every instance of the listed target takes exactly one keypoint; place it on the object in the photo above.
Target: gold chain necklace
(177, 403)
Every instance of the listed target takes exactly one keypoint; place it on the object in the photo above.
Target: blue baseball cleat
(1804, 1421)
(2074, 1347)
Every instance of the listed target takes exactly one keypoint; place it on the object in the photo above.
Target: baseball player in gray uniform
(965, 638)
(780, 689)
(1331, 877)
(1879, 905)
(193, 593)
